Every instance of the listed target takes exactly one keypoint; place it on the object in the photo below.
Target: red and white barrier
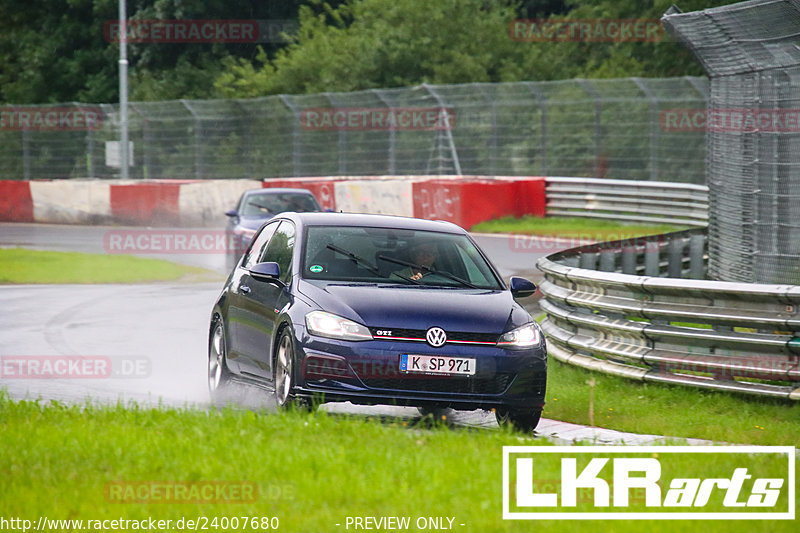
(464, 200)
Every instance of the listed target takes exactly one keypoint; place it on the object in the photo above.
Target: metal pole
(123, 90)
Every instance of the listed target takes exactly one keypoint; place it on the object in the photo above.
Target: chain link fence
(751, 55)
(629, 128)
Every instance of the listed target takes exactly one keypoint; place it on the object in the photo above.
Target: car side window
(280, 249)
(259, 244)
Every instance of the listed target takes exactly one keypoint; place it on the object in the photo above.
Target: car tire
(283, 373)
(524, 420)
(219, 377)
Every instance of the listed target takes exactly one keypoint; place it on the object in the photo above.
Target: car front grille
(453, 385)
(419, 335)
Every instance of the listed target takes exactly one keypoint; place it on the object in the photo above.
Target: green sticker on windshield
(316, 269)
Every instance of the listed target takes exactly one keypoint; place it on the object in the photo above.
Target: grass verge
(312, 471)
(20, 265)
(579, 228)
(659, 409)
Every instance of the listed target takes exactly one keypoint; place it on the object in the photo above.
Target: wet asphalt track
(149, 339)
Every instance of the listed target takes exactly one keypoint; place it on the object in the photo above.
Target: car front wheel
(524, 420)
(284, 370)
(218, 373)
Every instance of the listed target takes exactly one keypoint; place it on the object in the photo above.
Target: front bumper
(368, 372)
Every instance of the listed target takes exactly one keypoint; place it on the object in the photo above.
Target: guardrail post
(588, 260)
(675, 265)
(652, 258)
(608, 261)
(629, 256)
(696, 257)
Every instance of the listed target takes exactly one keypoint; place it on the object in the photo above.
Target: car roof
(278, 190)
(370, 220)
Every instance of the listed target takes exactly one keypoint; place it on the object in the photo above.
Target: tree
(365, 44)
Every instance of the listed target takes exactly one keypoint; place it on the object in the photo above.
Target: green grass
(19, 265)
(310, 470)
(654, 408)
(581, 228)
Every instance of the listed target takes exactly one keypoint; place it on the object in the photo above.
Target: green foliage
(393, 43)
(56, 50)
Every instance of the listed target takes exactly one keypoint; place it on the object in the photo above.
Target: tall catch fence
(750, 51)
(632, 128)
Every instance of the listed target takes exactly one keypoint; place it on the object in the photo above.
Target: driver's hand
(416, 276)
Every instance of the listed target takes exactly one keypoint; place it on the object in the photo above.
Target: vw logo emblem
(436, 337)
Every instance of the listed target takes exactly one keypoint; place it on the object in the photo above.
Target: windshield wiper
(427, 269)
(356, 259)
(261, 206)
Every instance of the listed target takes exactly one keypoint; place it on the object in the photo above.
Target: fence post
(654, 136)
(341, 155)
(392, 139)
(26, 155)
(197, 137)
(448, 128)
(493, 131)
(542, 99)
(296, 135)
(598, 110)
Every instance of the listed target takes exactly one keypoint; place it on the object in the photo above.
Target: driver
(423, 255)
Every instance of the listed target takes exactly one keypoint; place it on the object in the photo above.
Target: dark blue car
(377, 309)
(255, 207)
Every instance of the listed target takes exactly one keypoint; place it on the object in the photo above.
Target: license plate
(432, 364)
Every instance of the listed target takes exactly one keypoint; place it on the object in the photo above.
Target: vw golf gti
(376, 309)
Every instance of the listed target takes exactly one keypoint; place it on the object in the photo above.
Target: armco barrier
(634, 201)
(610, 309)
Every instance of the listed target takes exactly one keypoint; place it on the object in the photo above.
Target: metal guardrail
(610, 309)
(634, 201)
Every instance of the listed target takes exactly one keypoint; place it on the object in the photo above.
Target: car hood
(409, 307)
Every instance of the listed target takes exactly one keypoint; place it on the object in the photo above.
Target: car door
(237, 300)
(261, 304)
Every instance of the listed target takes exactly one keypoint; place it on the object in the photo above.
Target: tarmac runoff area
(120, 322)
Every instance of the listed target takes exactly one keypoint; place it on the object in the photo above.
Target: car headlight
(522, 337)
(327, 324)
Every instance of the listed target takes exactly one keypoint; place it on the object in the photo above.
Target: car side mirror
(233, 216)
(521, 287)
(268, 271)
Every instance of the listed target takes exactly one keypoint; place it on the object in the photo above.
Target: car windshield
(398, 256)
(269, 204)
